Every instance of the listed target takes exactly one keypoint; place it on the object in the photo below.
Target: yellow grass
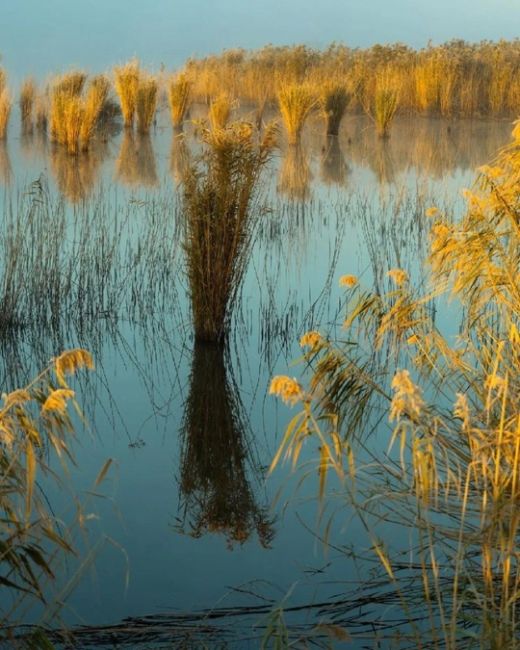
(219, 111)
(5, 111)
(146, 103)
(126, 82)
(27, 99)
(295, 101)
(179, 90)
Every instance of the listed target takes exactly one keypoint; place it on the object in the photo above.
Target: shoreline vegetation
(453, 80)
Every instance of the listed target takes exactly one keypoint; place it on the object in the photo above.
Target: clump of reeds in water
(215, 458)
(74, 114)
(295, 101)
(220, 205)
(179, 96)
(450, 474)
(126, 83)
(27, 99)
(5, 111)
(146, 103)
(219, 111)
(334, 100)
(385, 104)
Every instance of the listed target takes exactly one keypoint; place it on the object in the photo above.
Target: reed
(386, 103)
(93, 105)
(179, 97)
(450, 473)
(26, 103)
(126, 82)
(3, 79)
(146, 103)
(5, 112)
(219, 201)
(295, 102)
(71, 83)
(334, 100)
(219, 111)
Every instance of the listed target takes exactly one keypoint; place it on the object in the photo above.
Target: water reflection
(136, 165)
(295, 174)
(6, 171)
(216, 493)
(179, 155)
(76, 177)
(334, 169)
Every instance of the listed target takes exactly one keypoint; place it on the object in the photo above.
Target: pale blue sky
(43, 36)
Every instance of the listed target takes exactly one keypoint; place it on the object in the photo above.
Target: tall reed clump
(74, 115)
(27, 99)
(219, 111)
(146, 103)
(5, 112)
(295, 101)
(334, 100)
(220, 197)
(35, 428)
(126, 83)
(453, 412)
(179, 97)
(385, 104)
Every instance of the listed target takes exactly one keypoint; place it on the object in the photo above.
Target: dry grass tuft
(219, 111)
(126, 82)
(334, 100)
(179, 96)
(27, 99)
(5, 112)
(146, 103)
(295, 101)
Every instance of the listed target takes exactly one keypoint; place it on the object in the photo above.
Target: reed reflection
(6, 170)
(216, 458)
(76, 176)
(334, 169)
(179, 156)
(295, 174)
(136, 165)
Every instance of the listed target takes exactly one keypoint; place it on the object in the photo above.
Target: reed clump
(26, 103)
(450, 475)
(385, 104)
(5, 112)
(34, 418)
(146, 103)
(219, 111)
(126, 83)
(179, 97)
(220, 193)
(334, 99)
(74, 115)
(295, 101)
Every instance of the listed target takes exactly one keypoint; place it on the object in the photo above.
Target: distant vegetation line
(456, 79)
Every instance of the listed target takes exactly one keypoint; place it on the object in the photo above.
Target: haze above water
(40, 38)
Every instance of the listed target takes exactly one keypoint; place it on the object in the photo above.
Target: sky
(40, 37)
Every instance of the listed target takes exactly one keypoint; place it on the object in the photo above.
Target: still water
(188, 518)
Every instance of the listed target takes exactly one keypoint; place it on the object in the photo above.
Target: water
(190, 518)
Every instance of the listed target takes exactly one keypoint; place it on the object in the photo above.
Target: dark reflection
(216, 492)
(179, 155)
(334, 169)
(6, 171)
(136, 165)
(295, 174)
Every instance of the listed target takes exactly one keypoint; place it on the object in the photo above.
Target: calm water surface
(192, 520)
